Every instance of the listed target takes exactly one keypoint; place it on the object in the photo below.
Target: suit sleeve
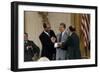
(53, 34)
(45, 41)
(67, 43)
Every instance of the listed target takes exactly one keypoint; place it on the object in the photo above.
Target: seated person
(31, 51)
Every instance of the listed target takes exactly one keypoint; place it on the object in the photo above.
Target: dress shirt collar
(63, 32)
(46, 33)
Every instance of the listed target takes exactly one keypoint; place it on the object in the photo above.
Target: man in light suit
(72, 44)
(61, 37)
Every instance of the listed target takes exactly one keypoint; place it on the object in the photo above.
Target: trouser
(61, 54)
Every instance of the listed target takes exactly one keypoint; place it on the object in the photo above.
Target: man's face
(25, 37)
(61, 28)
(48, 28)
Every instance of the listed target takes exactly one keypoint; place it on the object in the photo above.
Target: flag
(85, 29)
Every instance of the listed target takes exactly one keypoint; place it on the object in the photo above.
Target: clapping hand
(53, 39)
(28, 47)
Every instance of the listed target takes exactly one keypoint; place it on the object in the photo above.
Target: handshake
(57, 45)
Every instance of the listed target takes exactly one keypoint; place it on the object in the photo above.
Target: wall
(57, 18)
(33, 26)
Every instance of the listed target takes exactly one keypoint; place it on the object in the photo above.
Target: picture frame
(17, 24)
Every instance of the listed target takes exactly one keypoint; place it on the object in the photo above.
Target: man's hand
(35, 57)
(28, 47)
(58, 45)
(53, 39)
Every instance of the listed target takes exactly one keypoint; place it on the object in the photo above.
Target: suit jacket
(47, 46)
(72, 43)
(61, 54)
(29, 52)
(64, 37)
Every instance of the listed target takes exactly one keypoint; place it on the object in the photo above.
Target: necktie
(60, 37)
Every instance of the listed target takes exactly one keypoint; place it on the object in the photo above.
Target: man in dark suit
(31, 51)
(72, 44)
(47, 38)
